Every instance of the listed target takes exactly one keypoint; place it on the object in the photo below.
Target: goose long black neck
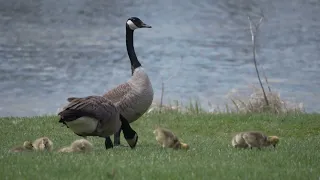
(130, 49)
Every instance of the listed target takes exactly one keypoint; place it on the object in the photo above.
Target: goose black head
(135, 23)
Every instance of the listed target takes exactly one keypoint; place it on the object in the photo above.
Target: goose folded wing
(96, 107)
(98, 99)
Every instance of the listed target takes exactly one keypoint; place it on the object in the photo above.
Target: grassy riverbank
(210, 155)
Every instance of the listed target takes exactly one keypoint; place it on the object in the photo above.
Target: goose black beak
(143, 25)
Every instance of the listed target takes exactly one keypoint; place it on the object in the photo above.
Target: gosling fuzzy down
(238, 141)
(27, 146)
(43, 144)
(80, 145)
(253, 139)
(167, 139)
(272, 140)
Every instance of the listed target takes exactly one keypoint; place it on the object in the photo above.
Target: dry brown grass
(193, 107)
(255, 103)
(249, 100)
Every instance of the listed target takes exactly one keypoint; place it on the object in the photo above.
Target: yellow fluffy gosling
(27, 146)
(167, 139)
(80, 145)
(253, 139)
(43, 144)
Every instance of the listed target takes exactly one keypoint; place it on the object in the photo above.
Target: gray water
(50, 50)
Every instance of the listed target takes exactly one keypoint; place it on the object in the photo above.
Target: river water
(50, 50)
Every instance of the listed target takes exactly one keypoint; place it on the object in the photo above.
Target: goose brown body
(96, 116)
(91, 116)
(133, 97)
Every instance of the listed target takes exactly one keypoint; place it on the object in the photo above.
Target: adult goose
(135, 96)
(96, 116)
(132, 99)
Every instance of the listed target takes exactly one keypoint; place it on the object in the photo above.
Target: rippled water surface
(50, 50)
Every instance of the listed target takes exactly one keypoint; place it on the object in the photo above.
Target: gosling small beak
(143, 25)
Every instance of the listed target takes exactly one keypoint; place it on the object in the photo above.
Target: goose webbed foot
(132, 140)
(130, 135)
(108, 143)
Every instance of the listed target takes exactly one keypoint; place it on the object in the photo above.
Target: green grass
(210, 155)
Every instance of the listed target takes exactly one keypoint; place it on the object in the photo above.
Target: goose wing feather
(116, 94)
(96, 107)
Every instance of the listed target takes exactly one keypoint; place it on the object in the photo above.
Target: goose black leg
(117, 138)
(129, 134)
(108, 143)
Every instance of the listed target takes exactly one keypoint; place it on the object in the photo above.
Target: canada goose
(80, 145)
(96, 116)
(136, 95)
(27, 146)
(252, 139)
(43, 143)
(167, 139)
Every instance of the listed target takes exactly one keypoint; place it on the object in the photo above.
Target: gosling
(43, 144)
(167, 139)
(80, 145)
(27, 146)
(253, 139)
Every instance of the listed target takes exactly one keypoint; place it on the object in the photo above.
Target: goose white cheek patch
(131, 25)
